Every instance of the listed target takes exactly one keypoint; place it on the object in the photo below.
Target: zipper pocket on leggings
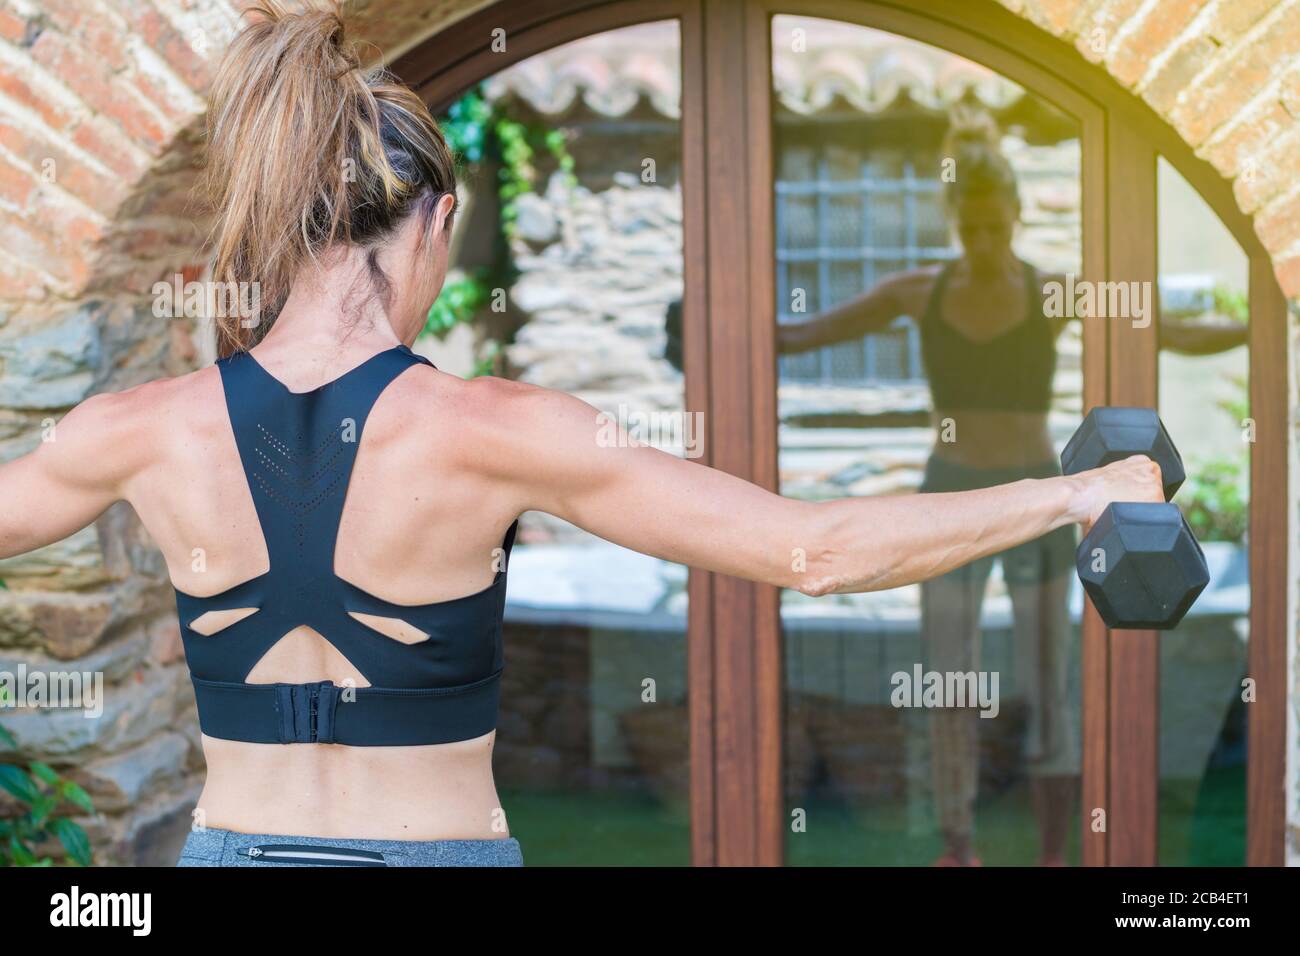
(317, 855)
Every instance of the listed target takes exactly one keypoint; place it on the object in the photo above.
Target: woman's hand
(1136, 478)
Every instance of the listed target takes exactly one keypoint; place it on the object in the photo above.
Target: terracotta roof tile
(867, 70)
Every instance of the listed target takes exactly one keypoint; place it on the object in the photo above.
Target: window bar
(868, 272)
(823, 264)
(909, 220)
(786, 364)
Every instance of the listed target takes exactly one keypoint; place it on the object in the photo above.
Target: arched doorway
(740, 734)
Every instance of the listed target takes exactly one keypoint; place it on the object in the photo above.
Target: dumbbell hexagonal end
(1142, 566)
(1113, 433)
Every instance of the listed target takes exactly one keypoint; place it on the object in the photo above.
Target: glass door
(1204, 387)
(567, 272)
(925, 208)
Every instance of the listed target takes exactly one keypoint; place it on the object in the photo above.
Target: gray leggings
(213, 846)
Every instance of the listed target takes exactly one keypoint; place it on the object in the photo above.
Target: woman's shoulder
(917, 277)
(157, 401)
(911, 288)
(126, 431)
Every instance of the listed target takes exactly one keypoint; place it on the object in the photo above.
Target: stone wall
(598, 271)
(100, 601)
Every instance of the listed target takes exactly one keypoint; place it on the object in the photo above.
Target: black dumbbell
(1140, 563)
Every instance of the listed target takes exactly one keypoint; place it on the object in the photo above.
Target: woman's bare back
(418, 526)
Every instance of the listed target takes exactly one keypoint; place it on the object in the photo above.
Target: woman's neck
(324, 314)
(1009, 270)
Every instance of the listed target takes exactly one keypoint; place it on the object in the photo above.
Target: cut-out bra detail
(298, 450)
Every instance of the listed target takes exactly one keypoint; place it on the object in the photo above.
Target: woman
(334, 512)
(989, 350)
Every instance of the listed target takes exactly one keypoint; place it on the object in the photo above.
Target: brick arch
(1225, 74)
(105, 104)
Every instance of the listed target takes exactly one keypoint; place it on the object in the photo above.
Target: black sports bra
(1010, 372)
(298, 450)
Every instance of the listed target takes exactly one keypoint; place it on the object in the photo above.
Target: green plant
(1214, 500)
(458, 303)
(39, 791)
(479, 130)
(1233, 303)
(1237, 405)
(487, 361)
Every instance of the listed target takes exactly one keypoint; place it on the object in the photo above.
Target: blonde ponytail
(973, 142)
(306, 149)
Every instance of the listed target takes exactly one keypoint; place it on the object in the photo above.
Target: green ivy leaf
(20, 854)
(44, 772)
(42, 808)
(15, 780)
(73, 793)
(478, 129)
(74, 840)
(458, 303)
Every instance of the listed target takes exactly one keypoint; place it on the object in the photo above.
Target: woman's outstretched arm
(869, 312)
(73, 475)
(554, 456)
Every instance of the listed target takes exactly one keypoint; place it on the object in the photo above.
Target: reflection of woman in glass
(989, 352)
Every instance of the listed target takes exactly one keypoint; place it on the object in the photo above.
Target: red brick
(1108, 16)
(164, 100)
(1130, 58)
(1251, 136)
(1272, 173)
(1230, 20)
(19, 90)
(1288, 275)
(196, 69)
(109, 145)
(1289, 92)
(21, 240)
(1278, 223)
(97, 88)
(90, 185)
(16, 183)
(102, 37)
(102, 41)
(12, 28)
(1055, 15)
(1176, 73)
(1233, 80)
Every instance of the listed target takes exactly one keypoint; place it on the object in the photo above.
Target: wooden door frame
(734, 651)
(929, 25)
(1121, 138)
